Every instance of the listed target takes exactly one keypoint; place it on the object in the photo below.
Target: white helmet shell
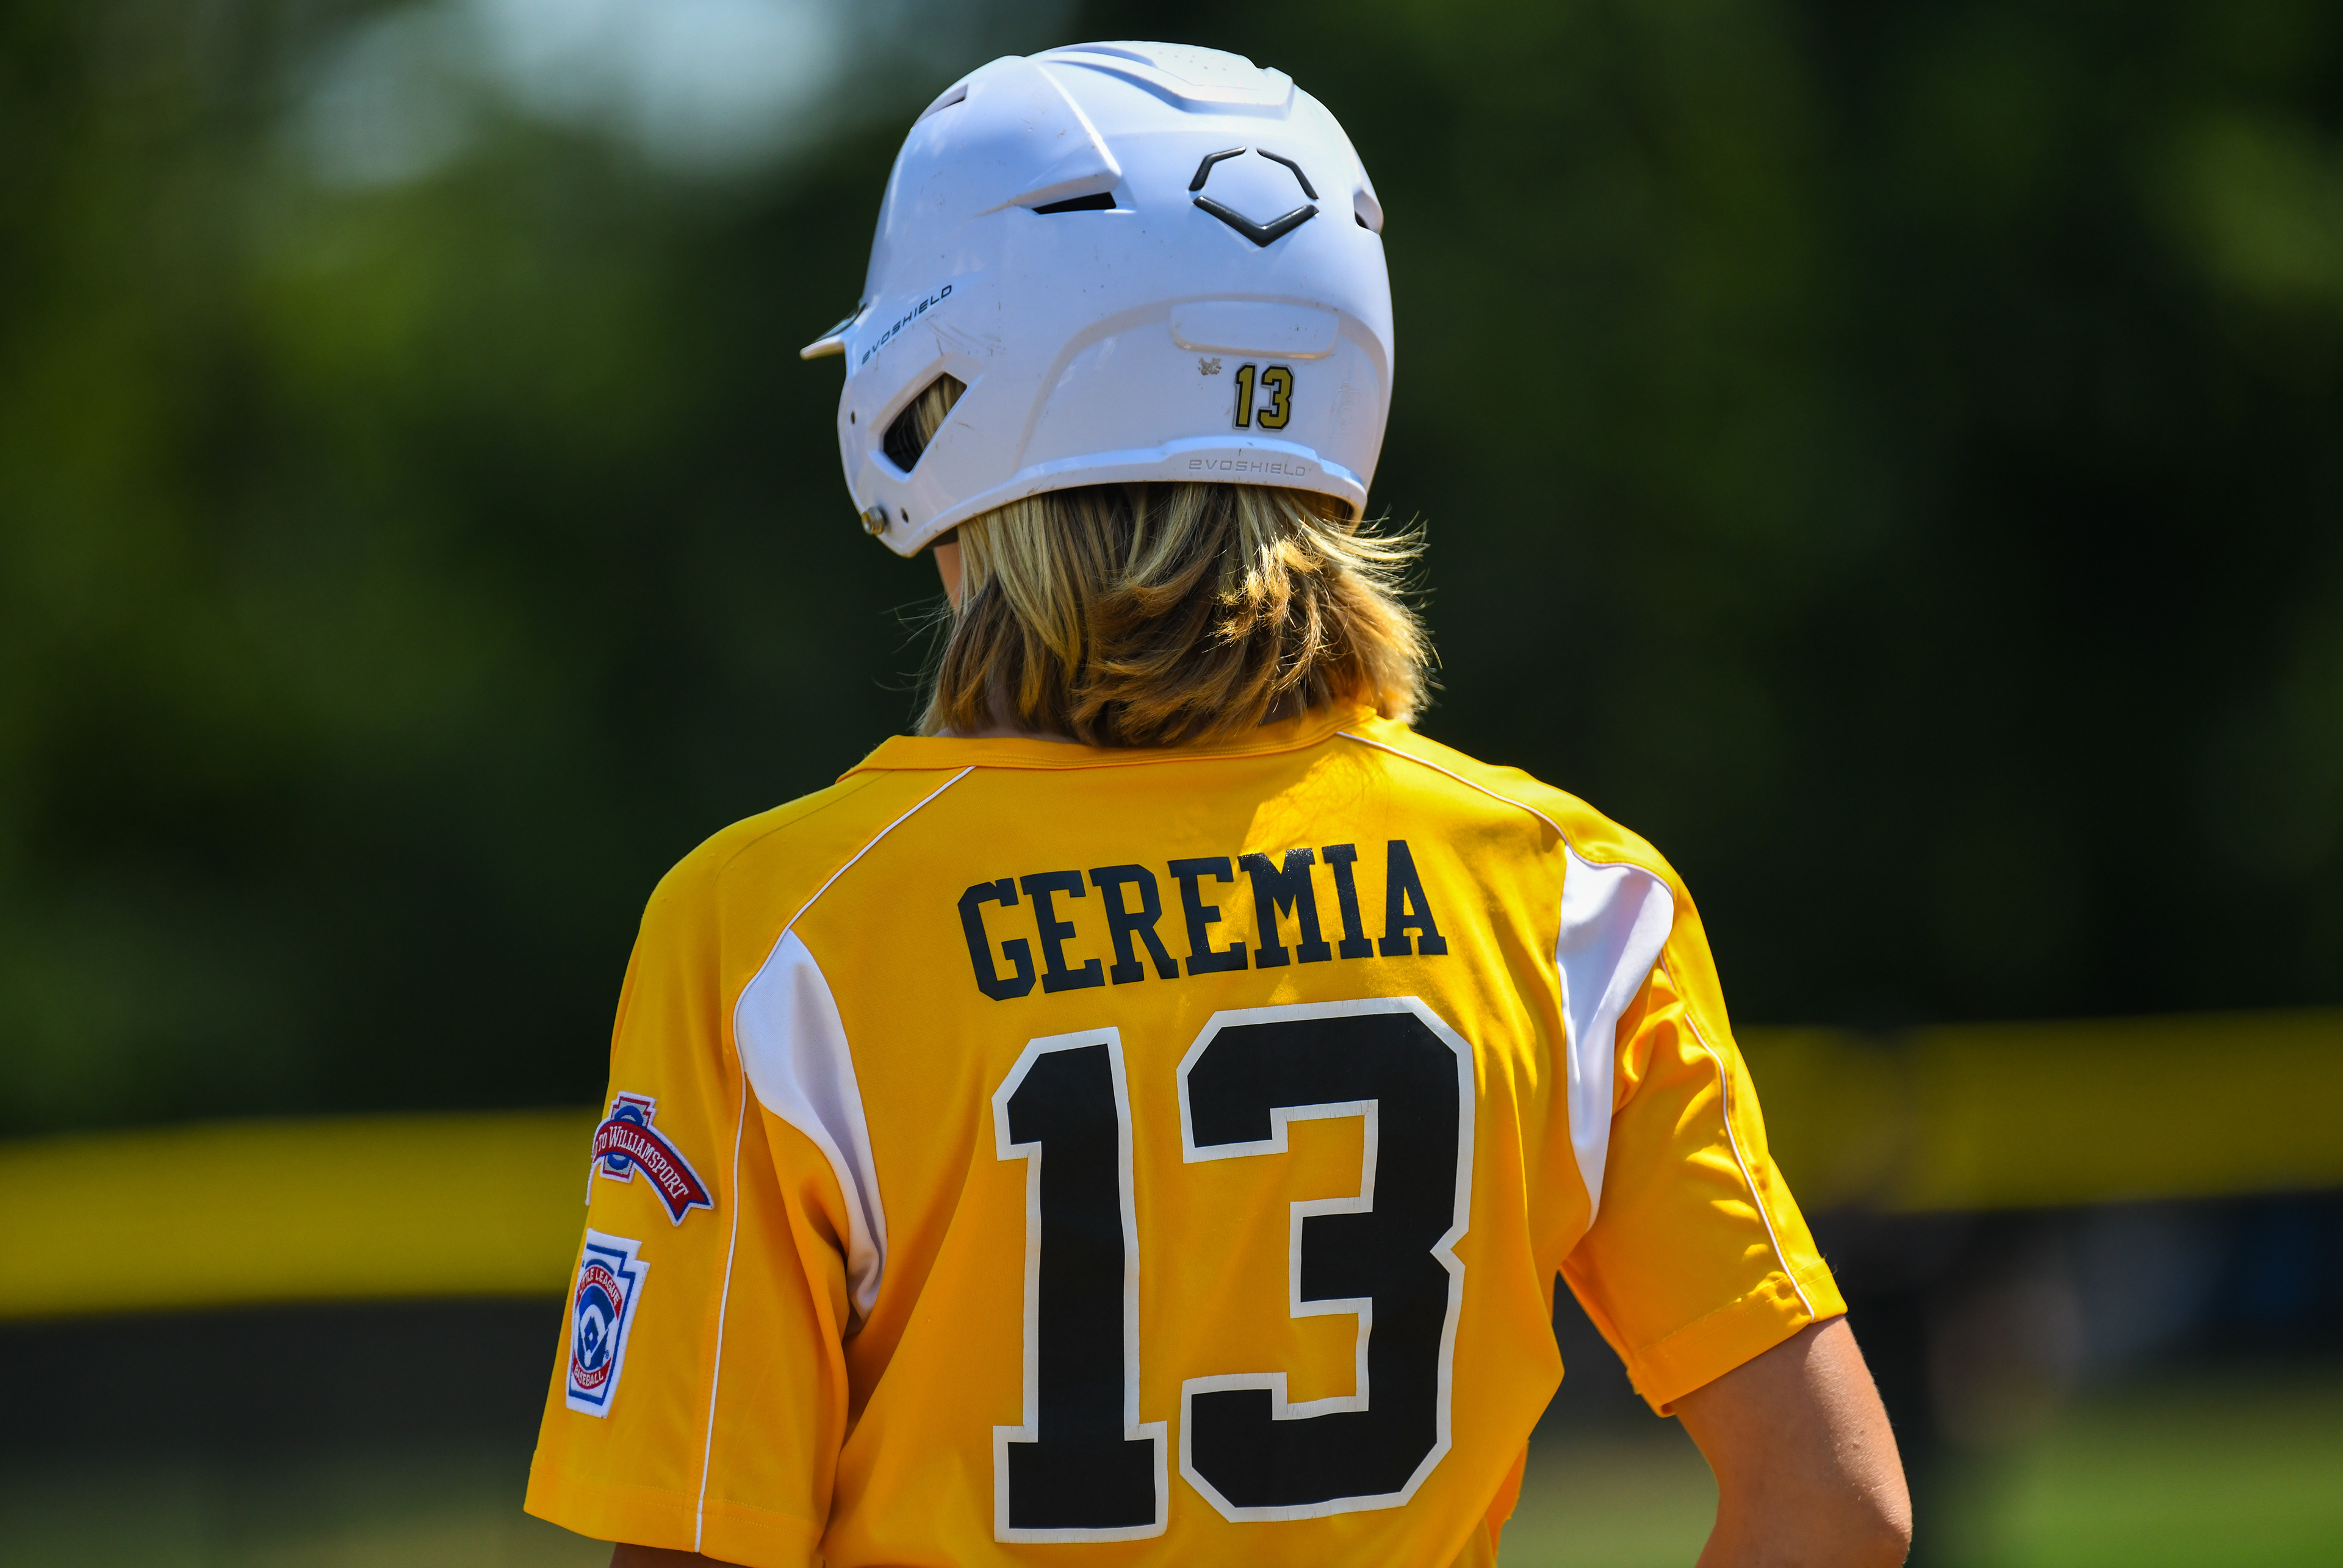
(1144, 262)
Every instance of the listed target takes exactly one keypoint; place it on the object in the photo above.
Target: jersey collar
(906, 752)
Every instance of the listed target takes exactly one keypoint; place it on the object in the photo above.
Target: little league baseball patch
(602, 1315)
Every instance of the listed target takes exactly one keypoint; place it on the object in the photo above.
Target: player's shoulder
(1587, 831)
(781, 857)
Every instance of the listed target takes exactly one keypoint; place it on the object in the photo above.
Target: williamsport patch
(602, 1315)
(627, 1143)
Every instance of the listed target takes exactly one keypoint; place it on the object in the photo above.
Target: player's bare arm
(1010, 1146)
(1805, 1462)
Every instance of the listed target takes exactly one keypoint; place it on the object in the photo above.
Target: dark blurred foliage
(1889, 456)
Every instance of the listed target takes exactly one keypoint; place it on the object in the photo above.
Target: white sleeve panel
(793, 1045)
(1615, 919)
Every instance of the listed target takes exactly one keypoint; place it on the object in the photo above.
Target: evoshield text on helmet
(1142, 261)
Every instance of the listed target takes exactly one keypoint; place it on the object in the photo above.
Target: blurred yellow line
(1985, 1117)
(241, 1212)
(2028, 1115)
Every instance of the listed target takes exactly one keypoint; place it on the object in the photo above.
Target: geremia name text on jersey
(1000, 946)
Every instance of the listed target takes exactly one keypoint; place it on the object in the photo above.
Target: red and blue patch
(601, 1317)
(627, 1143)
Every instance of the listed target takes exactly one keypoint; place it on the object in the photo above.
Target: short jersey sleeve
(1698, 1259)
(710, 1288)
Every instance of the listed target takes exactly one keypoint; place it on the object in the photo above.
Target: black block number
(1385, 1255)
(1081, 1467)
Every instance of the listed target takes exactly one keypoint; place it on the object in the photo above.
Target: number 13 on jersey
(1084, 1466)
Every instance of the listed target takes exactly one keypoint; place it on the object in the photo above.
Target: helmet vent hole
(1102, 201)
(917, 425)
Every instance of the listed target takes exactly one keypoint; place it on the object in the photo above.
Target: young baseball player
(1141, 1119)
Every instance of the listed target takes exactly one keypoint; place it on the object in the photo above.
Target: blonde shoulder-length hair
(1170, 613)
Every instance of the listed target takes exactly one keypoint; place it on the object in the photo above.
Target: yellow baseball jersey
(1026, 1153)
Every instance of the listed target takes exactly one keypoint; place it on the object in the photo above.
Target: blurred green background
(1887, 454)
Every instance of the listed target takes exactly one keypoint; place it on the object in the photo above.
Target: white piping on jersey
(723, 1300)
(1733, 1141)
(873, 844)
(1724, 1078)
(795, 1052)
(1615, 920)
(842, 1100)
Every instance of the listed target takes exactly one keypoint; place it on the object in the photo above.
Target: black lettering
(1202, 957)
(980, 946)
(1392, 1253)
(1355, 944)
(1082, 1469)
(1054, 931)
(1405, 909)
(1286, 891)
(1122, 924)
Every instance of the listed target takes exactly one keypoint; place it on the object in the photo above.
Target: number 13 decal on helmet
(1276, 387)
(1083, 1467)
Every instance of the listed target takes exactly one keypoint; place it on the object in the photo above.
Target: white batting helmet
(1142, 262)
